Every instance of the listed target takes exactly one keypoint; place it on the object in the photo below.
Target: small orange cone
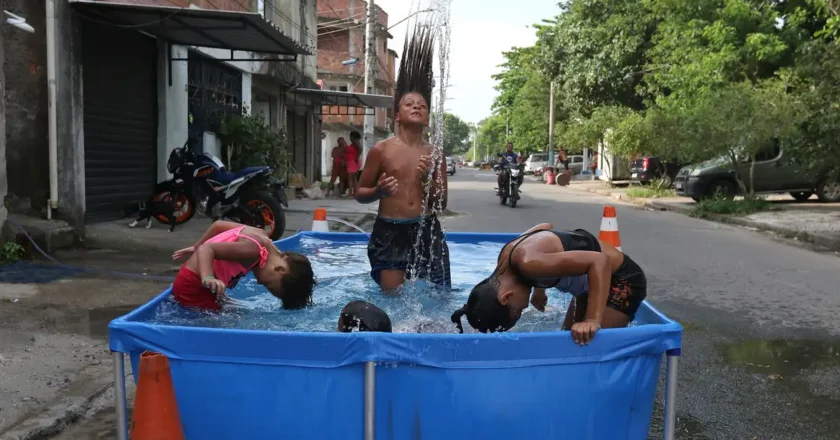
(319, 221)
(609, 228)
(155, 415)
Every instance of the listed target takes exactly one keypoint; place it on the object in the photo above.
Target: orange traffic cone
(155, 415)
(609, 228)
(319, 221)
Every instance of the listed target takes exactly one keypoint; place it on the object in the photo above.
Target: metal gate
(215, 92)
(120, 119)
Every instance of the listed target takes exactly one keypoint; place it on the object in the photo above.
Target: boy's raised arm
(368, 192)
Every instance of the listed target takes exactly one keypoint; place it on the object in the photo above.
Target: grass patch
(707, 207)
(650, 193)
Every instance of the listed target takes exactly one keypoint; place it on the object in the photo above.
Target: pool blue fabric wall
(236, 384)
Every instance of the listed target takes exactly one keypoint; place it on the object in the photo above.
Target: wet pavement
(53, 335)
(761, 343)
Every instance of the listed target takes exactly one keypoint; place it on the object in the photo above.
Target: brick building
(133, 79)
(341, 68)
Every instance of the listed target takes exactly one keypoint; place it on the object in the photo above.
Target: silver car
(450, 166)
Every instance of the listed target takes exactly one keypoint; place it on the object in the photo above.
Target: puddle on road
(783, 358)
(94, 322)
(90, 322)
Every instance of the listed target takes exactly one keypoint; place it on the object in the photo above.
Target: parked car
(773, 173)
(450, 166)
(648, 168)
(536, 162)
(575, 164)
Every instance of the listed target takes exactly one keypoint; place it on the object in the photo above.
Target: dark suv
(648, 168)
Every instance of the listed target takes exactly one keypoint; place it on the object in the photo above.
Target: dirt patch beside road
(53, 335)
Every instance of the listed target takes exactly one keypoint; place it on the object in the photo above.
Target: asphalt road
(761, 356)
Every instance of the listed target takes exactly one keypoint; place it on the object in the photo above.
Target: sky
(481, 31)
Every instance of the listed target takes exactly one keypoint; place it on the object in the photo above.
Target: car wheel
(801, 196)
(828, 191)
(667, 182)
(724, 188)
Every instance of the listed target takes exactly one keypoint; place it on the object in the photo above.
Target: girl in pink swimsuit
(225, 253)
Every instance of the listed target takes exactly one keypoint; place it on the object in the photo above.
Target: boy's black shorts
(392, 246)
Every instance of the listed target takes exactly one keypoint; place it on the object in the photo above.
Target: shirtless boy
(398, 173)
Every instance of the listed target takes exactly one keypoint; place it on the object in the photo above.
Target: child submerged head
(289, 277)
(487, 312)
(362, 316)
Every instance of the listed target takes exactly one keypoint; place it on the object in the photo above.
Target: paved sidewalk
(811, 222)
(117, 234)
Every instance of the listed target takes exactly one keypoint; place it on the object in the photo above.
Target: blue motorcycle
(250, 196)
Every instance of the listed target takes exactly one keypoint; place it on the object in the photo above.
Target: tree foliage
(456, 134)
(491, 136)
(688, 80)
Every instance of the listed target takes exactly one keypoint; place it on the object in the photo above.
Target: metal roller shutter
(120, 119)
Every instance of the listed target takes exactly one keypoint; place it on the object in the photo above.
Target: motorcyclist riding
(506, 159)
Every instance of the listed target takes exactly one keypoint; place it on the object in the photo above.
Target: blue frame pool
(238, 384)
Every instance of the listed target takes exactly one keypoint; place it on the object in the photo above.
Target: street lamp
(350, 62)
(19, 22)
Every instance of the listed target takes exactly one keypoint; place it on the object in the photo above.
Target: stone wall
(25, 71)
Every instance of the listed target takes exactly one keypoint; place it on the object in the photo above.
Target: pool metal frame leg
(119, 395)
(672, 359)
(370, 400)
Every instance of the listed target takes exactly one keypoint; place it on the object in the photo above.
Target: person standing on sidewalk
(339, 168)
(351, 159)
(563, 159)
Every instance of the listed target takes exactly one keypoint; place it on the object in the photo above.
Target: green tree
(456, 135)
(596, 49)
(516, 71)
(491, 136)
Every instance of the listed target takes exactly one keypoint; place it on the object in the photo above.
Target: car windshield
(538, 158)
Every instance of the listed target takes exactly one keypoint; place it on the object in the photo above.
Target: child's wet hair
(298, 283)
(483, 310)
(363, 316)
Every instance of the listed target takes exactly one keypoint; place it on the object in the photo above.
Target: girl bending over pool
(608, 287)
(225, 253)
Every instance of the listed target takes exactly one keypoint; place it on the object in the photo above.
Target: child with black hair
(608, 287)
(225, 253)
(362, 316)
(399, 172)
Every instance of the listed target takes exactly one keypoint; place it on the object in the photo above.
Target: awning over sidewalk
(234, 30)
(346, 103)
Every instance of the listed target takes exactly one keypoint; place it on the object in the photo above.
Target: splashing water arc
(441, 23)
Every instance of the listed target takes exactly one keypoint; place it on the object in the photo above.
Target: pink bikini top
(227, 271)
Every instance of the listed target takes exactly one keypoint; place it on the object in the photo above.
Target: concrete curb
(821, 240)
(67, 409)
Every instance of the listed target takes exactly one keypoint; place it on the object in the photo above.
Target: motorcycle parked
(200, 181)
(512, 179)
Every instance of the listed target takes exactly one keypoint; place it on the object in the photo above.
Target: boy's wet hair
(355, 136)
(416, 68)
(297, 284)
(363, 316)
(484, 311)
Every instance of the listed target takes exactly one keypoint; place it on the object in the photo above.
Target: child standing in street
(398, 173)
(225, 253)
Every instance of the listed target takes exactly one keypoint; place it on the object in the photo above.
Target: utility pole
(551, 126)
(370, 77)
(475, 138)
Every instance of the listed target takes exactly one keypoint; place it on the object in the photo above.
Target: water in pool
(343, 274)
